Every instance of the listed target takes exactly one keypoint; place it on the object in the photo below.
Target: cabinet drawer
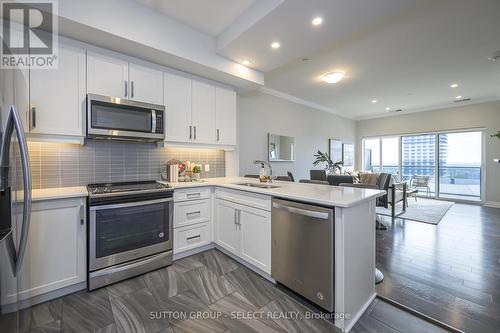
(191, 236)
(191, 212)
(250, 199)
(192, 194)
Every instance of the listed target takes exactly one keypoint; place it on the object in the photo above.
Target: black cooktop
(124, 187)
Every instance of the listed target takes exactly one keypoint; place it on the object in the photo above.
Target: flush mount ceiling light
(459, 97)
(332, 77)
(275, 45)
(388, 109)
(317, 21)
(454, 85)
(374, 101)
(246, 62)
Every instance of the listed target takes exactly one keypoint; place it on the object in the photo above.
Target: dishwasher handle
(304, 212)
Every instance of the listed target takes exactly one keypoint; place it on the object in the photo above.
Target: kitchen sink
(257, 185)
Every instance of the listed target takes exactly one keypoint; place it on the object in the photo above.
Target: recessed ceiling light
(388, 109)
(246, 62)
(374, 101)
(275, 45)
(454, 85)
(459, 97)
(332, 77)
(317, 21)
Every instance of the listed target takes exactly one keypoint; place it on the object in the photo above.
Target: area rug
(423, 210)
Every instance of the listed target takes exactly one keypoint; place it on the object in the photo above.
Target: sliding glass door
(419, 162)
(460, 159)
(438, 165)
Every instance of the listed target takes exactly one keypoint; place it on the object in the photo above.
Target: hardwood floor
(450, 272)
(209, 284)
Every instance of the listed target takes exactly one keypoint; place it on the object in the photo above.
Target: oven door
(121, 118)
(127, 231)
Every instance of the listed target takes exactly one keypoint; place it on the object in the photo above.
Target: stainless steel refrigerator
(15, 201)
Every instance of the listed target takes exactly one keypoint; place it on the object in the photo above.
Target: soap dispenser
(263, 174)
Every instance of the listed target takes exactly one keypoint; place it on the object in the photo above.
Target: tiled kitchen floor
(209, 283)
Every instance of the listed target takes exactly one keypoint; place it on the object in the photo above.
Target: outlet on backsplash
(59, 165)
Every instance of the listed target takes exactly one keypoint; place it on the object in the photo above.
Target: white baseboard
(358, 315)
(492, 204)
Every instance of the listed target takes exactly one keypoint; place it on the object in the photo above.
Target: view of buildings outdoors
(458, 170)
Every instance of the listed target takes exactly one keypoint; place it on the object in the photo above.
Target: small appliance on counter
(130, 230)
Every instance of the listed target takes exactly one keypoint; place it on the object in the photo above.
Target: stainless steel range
(130, 230)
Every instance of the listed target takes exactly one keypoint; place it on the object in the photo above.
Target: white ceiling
(404, 53)
(208, 16)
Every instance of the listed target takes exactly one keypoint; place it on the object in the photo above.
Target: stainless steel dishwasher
(303, 250)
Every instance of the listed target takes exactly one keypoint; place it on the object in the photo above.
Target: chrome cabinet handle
(193, 237)
(131, 89)
(190, 195)
(82, 215)
(193, 213)
(14, 123)
(236, 216)
(239, 217)
(218, 135)
(190, 132)
(126, 88)
(33, 118)
(195, 132)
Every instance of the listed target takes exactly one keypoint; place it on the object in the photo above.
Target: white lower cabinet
(55, 255)
(191, 237)
(192, 219)
(243, 230)
(255, 227)
(227, 232)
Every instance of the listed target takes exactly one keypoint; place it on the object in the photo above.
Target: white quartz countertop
(55, 193)
(311, 193)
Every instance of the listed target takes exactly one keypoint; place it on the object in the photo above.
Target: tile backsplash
(59, 165)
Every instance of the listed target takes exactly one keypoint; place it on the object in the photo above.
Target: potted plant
(498, 137)
(330, 166)
(196, 172)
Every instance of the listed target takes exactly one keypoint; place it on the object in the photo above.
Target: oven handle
(130, 204)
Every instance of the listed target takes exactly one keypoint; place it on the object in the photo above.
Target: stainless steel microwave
(123, 119)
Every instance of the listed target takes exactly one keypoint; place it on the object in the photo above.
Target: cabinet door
(225, 116)
(107, 76)
(256, 237)
(177, 95)
(227, 233)
(56, 250)
(57, 96)
(146, 84)
(203, 112)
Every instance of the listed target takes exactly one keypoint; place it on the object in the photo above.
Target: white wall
(259, 114)
(485, 115)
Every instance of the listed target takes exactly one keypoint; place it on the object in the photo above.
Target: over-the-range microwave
(123, 119)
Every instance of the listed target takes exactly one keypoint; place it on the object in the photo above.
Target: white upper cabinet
(203, 112)
(57, 97)
(177, 95)
(225, 116)
(146, 84)
(107, 76)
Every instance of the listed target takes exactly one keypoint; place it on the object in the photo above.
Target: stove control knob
(161, 234)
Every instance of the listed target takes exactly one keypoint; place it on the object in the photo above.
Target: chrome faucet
(271, 177)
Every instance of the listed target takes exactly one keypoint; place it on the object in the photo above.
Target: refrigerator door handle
(14, 123)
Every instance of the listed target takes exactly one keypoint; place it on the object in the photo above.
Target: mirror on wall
(280, 148)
